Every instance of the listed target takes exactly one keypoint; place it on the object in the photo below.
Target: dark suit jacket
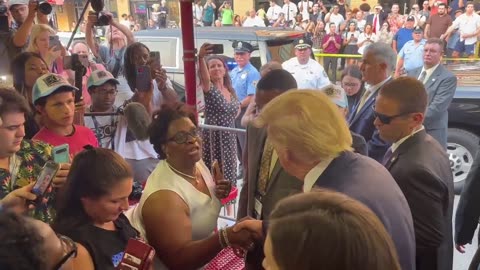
(468, 210)
(382, 16)
(370, 183)
(422, 170)
(441, 86)
(280, 185)
(362, 123)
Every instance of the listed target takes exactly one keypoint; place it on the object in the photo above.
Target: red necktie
(374, 28)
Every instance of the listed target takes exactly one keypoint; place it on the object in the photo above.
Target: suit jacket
(422, 170)
(382, 17)
(441, 86)
(468, 209)
(362, 123)
(370, 183)
(280, 185)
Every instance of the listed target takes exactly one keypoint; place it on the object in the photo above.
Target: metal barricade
(221, 132)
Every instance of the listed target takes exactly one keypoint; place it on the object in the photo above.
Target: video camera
(97, 6)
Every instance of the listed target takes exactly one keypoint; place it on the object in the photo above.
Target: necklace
(193, 177)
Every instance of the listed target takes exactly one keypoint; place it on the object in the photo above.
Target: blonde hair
(307, 123)
(38, 29)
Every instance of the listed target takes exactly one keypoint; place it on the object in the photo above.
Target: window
(168, 48)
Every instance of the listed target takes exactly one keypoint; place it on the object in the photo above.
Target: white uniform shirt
(309, 76)
(250, 22)
(290, 10)
(467, 25)
(274, 12)
(306, 6)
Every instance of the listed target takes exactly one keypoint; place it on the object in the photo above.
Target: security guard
(308, 73)
(411, 55)
(244, 80)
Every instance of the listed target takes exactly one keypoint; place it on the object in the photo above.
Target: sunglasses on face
(385, 119)
(69, 249)
(182, 136)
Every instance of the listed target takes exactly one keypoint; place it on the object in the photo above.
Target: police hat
(301, 44)
(241, 46)
(418, 29)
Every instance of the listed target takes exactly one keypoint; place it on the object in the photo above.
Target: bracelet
(225, 237)
(220, 239)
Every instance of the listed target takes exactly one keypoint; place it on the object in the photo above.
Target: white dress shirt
(313, 175)
(397, 144)
(429, 72)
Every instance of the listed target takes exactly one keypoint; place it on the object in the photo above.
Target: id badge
(258, 209)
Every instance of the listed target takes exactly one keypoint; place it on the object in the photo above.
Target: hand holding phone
(155, 61)
(54, 42)
(138, 255)
(44, 180)
(143, 79)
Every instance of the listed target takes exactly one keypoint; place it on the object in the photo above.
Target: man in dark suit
(378, 63)
(440, 84)
(421, 168)
(313, 144)
(377, 18)
(265, 181)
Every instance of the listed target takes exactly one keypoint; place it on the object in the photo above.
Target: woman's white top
(204, 210)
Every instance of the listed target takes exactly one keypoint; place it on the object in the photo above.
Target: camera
(102, 19)
(44, 7)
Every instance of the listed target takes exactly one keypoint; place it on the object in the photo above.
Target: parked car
(269, 44)
(463, 122)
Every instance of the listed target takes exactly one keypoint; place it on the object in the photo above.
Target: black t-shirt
(105, 247)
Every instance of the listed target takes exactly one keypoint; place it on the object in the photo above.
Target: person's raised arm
(169, 230)
(203, 72)
(91, 21)
(20, 38)
(122, 28)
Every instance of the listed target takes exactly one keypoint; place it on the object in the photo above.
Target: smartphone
(44, 180)
(61, 154)
(138, 255)
(70, 61)
(54, 41)
(217, 48)
(143, 78)
(155, 62)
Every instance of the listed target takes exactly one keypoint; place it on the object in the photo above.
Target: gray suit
(280, 185)
(440, 86)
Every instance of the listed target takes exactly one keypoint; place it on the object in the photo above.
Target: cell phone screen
(155, 62)
(143, 78)
(45, 179)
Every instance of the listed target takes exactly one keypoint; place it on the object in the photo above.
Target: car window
(281, 53)
(167, 47)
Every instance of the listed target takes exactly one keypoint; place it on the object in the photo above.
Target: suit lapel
(369, 103)
(431, 80)
(274, 175)
(404, 147)
(257, 150)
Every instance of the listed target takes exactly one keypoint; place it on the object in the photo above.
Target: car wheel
(462, 147)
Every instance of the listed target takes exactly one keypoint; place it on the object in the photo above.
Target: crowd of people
(336, 175)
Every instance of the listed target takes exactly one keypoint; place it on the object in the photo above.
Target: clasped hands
(243, 235)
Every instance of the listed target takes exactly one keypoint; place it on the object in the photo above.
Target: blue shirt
(244, 80)
(208, 15)
(402, 36)
(452, 41)
(412, 55)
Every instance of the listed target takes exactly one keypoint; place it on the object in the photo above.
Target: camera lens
(45, 7)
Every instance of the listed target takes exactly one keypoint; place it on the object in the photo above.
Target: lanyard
(97, 130)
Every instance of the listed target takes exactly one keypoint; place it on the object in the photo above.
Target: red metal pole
(188, 51)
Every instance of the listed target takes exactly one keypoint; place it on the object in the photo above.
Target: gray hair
(383, 54)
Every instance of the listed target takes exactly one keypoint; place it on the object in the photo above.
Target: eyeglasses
(182, 136)
(385, 119)
(69, 248)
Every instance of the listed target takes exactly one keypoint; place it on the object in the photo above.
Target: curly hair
(162, 119)
(22, 246)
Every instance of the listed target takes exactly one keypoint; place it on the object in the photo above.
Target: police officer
(244, 80)
(308, 73)
(410, 56)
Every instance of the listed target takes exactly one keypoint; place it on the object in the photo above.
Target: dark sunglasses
(69, 248)
(385, 119)
(182, 136)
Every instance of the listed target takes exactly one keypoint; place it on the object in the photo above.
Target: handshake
(242, 236)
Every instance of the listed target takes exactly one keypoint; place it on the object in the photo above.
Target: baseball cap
(301, 44)
(411, 18)
(378, 6)
(12, 3)
(99, 77)
(240, 46)
(47, 84)
(459, 10)
(336, 94)
(418, 29)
